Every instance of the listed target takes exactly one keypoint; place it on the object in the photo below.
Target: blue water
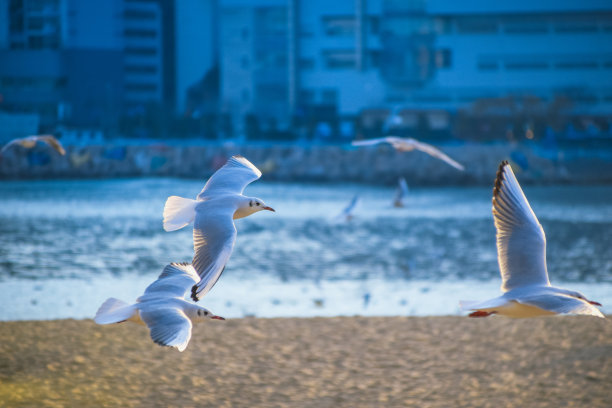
(65, 246)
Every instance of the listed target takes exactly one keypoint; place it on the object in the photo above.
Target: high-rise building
(79, 62)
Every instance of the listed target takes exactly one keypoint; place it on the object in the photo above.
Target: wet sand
(320, 362)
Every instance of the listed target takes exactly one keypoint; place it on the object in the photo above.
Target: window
(140, 51)
(338, 26)
(140, 33)
(307, 96)
(487, 66)
(140, 69)
(476, 26)
(444, 58)
(307, 63)
(525, 65)
(140, 14)
(329, 97)
(576, 65)
(141, 87)
(339, 59)
(576, 27)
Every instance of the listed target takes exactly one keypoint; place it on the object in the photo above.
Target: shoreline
(312, 362)
(537, 164)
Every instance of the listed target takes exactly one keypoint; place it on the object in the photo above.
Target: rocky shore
(326, 163)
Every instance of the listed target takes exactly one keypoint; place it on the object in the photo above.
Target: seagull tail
(178, 212)
(114, 311)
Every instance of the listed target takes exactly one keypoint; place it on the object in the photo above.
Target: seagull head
(203, 314)
(255, 204)
(580, 296)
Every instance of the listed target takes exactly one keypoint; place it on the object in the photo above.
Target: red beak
(268, 208)
(217, 317)
(594, 303)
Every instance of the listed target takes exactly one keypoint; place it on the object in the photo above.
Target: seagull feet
(481, 313)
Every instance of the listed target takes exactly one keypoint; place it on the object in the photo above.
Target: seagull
(347, 213)
(212, 212)
(408, 144)
(162, 307)
(30, 141)
(400, 193)
(521, 253)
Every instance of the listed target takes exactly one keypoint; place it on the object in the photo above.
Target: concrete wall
(379, 165)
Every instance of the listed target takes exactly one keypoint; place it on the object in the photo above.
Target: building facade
(79, 63)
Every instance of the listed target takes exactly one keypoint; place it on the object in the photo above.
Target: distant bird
(521, 253)
(162, 308)
(408, 144)
(400, 193)
(347, 212)
(218, 204)
(29, 142)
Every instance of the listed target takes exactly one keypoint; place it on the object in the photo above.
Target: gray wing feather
(521, 243)
(561, 304)
(169, 327)
(214, 235)
(175, 280)
(232, 178)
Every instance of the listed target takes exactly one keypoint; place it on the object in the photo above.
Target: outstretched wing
(53, 142)
(435, 152)
(214, 235)
(405, 145)
(232, 178)
(521, 243)
(378, 140)
(175, 280)
(561, 304)
(168, 326)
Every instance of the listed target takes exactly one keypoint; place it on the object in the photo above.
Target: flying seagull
(347, 212)
(212, 212)
(400, 193)
(29, 142)
(162, 308)
(408, 144)
(521, 253)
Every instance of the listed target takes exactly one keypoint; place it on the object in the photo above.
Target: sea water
(66, 246)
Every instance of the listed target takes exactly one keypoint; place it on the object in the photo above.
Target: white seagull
(214, 233)
(400, 193)
(162, 308)
(29, 142)
(408, 144)
(347, 213)
(521, 253)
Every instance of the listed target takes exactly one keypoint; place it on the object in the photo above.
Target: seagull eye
(257, 203)
(205, 313)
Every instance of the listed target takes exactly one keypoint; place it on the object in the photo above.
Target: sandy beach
(318, 362)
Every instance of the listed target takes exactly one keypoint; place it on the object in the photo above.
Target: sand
(320, 362)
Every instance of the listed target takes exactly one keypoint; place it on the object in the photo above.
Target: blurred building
(520, 48)
(291, 59)
(80, 63)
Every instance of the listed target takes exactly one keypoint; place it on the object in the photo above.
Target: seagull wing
(53, 142)
(214, 235)
(175, 280)
(521, 243)
(232, 178)
(434, 152)
(561, 304)
(371, 142)
(168, 326)
(401, 191)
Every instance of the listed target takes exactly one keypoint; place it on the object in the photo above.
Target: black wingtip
(194, 293)
(499, 177)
